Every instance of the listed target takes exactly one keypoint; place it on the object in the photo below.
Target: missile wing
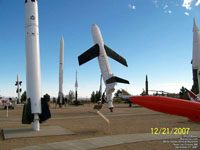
(112, 54)
(89, 54)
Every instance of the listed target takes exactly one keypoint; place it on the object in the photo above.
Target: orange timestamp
(170, 131)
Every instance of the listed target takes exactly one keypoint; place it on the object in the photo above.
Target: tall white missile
(18, 84)
(196, 59)
(102, 51)
(33, 75)
(60, 94)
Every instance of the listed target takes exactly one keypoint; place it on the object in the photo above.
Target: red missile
(170, 105)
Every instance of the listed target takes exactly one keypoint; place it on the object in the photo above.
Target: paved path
(13, 133)
(99, 142)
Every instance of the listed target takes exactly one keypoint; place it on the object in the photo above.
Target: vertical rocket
(76, 88)
(196, 59)
(60, 93)
(146, 86)
(101, 51)
(18, 91)
(33, 75)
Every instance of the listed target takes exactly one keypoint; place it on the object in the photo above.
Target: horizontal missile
(170, 105)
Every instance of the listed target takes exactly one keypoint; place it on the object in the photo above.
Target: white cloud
(156, 3)
(197, 3)
(133, 7)
(187, 14)
(187, 4)
(165, 6)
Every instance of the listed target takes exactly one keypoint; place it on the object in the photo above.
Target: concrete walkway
(99, 142)
(13, 133)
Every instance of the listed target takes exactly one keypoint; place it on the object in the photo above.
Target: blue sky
(155, 36)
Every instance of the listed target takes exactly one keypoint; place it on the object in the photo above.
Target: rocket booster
(101, 51)
(196, 59)
(196, 47)
(60, 94)
(33, 75)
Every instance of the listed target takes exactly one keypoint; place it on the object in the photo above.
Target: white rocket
(60, 94)
(196, 57)
(33, 75)
(18, 84)
(102, 51)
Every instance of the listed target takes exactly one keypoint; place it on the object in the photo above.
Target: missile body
(18, 83)
(102, 51)
(103, 64)
(60, 94)
(196, 59)
(33, 75)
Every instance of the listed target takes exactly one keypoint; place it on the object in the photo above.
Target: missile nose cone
(195, 28)
(95, 28)
(96, 34)
(62, 39)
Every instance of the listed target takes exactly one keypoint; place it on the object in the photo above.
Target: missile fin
(89, 54)
(112, 54)
(46, 114)
(116, 79)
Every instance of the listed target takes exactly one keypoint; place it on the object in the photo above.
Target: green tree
(183, 93)
(95, 96)
(23, 97)
(117, 93)
(47, 97)
(98, 96)
(71, 95)
(125, 92)
(122, 91)
(54, 100)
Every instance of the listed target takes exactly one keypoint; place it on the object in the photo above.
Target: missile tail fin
(112, 54)
(114, 79)
(89, 54)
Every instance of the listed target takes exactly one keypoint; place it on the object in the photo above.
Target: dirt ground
(85, 123)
